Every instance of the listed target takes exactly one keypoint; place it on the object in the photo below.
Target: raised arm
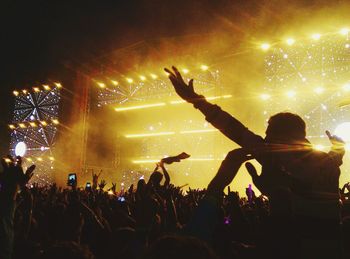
(165, 173)
(223, 121)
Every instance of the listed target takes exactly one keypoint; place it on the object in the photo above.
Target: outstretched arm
(165, 172)
(223, 121)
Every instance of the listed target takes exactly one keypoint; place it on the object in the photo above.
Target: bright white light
(344, 31)
(291, 94)
(319, 90)
(20, 149)
(318, 147)
(346, 87)
(265, 46)
(316, 36)
(290, 41)
(265, 96)
(343, 131)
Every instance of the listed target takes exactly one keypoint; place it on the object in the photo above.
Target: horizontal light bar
(145, 161)
(207, 98)
(149, 134)
(139, 107)
(150, 161)
(197, 131)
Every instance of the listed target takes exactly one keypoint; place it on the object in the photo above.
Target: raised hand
(185, 91)
(95, 179)
(336, 141)
(102, 184)
(113, 188)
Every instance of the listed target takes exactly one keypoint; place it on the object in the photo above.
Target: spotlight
(316, 36)
(344, 31)
(154, 76)
(36, 89)
(265, 97)
(343, 131)
(39, 159)
(15, 93)
(318, 147)
(32, 124)
(46, 87)
(115, 83)
(143, 78)
(346, 87)
(129, 80)
(22, 125)
(25, 91)
(58, 85)
(55, 121)
(11, 126)
(319, 90)
(290, 41)
(44, 123)
(291, 94)
(101, 85)
(185, 71)
(20, 149)
(265, 46)
(204, 67)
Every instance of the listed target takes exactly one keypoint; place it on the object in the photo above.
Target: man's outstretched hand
(185, 91)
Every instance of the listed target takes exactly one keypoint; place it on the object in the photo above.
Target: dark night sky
(37, 37)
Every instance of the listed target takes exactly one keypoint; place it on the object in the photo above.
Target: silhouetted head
(285, 127)
(156, 177)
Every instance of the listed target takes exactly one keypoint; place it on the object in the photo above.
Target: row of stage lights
(37, 89)
(34, 159)
(143, 78)
(292, 93)
(290, 41)
(120, 109)
(33, 124)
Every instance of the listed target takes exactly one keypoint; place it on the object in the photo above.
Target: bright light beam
(139, 107)
(150, 134)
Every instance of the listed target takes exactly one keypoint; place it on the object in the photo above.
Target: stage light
(149, 134)
(265, 97)
(22, 125)
(316, 36)
(39, 159)
(44, 123)
(344, 31)
(36, 89)
(142, 78)
(55, 121)
(343, 131)
(29, 159)
(101, 85)
(20, 149)
(33, 124)
(265, 46)
(318, 147)
(291, 94)
(185, 71)
(347, 45)
(51, 158)
(204, 67)
(15, 93)
(129, 80)
(319, 90)
(152, 161)
(7, 160)
(47, 87)
(139, 107)
(58, 85)
(11, 126)
(115, 83)
(177, 102)
(154, 76)
(24, 91)
(290, 41)
(346, 87)
(198, 131)
(218, 97)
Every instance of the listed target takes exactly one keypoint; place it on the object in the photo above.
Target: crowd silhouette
(301, 213)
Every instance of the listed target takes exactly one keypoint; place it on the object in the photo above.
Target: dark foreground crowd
(301, 214)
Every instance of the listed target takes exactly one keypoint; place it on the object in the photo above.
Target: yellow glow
(55, 121)
(139, 107)
(290, 41)
(39, 159)
(15, 93)
(51, 158)
(265, 46)
(7, 160)
(197, 131)
(316, 36)
(185, 71)
(58, 85)
(265, 96)
(154, 76)
(149, 134)
(36, 89)
(319, 90)
(204, 67)
(344, 31)
(11, 126)
(47, 87)
(29, 159)
(33, 124)
(24, 91)
(145, 161)
(115, 83)
(44, 123)
(318, 147)
(166, 73)
(291, 94)
(129, 80)
(142, 78)
(101, 85)
(22, 125)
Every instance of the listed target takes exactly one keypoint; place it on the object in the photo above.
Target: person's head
(285, 127)
(155, 178)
